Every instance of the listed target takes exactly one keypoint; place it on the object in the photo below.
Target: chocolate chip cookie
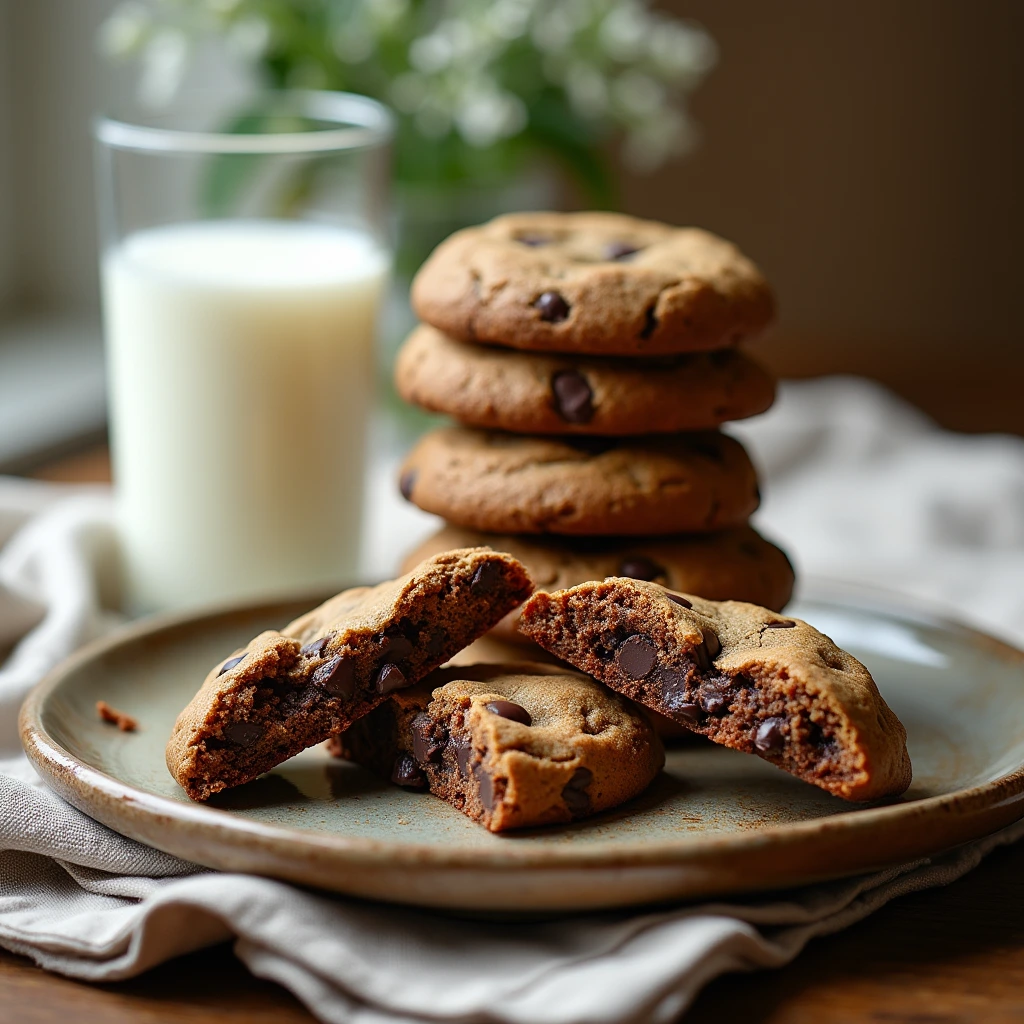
(589, 486)
(598, 283)
(741, 675)
(510, 745)
(289, 690)
(531, 393)
(736, 564)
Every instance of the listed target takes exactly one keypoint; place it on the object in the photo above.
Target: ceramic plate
(715, 821)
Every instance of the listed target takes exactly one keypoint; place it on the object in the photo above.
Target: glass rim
(361, 122)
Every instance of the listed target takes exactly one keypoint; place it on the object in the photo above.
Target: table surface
(946, 956)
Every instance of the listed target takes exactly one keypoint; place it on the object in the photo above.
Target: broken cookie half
(289, 690)
(743, 676)
(510, 745)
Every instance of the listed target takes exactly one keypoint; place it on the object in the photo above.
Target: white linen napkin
(858, 486)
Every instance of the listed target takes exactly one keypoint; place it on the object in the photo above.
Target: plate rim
(1002, 798)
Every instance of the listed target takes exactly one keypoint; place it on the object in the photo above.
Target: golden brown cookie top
(587, 486)
(598, 283)
(536, 393)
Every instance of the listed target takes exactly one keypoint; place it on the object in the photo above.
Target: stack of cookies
(589, 360)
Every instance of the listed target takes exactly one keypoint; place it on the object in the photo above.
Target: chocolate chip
(485, 784)
(533, 241)
(243, 734)
(507, 709)
(230, 664)
(619, 250)
(680, 600)
(708, 649)
(337, 677)
(575, 794)
(397, 646)
(315, 649)
(636, 656)
(426, 741)
(406, 483)
(389, 678)
(769, 738)
(487, 578)
(674, 693)
(463, 754)
(691, 712)
(406, 772)
(552, 307)
(639, 567)
(715, 696)
(573, 396)
(438, 640)
(650, 323)
(784, 624)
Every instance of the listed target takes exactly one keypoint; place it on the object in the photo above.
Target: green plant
(480, 87)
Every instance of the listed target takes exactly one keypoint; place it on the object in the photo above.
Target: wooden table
(947, 956)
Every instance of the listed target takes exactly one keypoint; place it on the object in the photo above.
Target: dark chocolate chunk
(782, 624)
(243, 734)
(640, 567)
(406, 483)
(485, 784)
(397, 646)
(437, 641)
(389, 678)
(619, 250)
(487, 578)
(552, 307)
(636, 656)
(407, 773)
(337, 677)
(315, 648)
(680, 600)
(427, 738)
(769, 738)
(573, 396)
(230, 664)
(650, 323)
(674, 694)
(716, 695)
(708, 649)
(463, 754)
(575, 793)
(507, 709)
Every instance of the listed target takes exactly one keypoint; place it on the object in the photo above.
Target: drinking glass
(245, 252)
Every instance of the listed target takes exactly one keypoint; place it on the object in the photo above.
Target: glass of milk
(245, 257)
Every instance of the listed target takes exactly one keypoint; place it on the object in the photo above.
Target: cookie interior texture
(736, 564)
(528, 392)
(511, 745)
(289, 690)
(743, 676)
(600, 283)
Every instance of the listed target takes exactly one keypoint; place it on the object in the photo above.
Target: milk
(240, 356)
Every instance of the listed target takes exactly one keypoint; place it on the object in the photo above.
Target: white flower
(625, 31)
(249, 37)
(408, 91)
(487, 115)
(385, 14)
(638, 95)
(431, 53)
(509, 19)
(164, 60)
(353, 43)
(123, 32)
(682, 52)
(588, 90)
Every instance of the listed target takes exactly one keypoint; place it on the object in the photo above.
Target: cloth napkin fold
(859, 487)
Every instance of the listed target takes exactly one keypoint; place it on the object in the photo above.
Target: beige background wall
(869, 156)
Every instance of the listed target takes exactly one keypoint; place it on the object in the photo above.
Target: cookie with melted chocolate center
(743, 676)
(511, 745)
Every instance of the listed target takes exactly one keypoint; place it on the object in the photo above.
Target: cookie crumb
(124, 722)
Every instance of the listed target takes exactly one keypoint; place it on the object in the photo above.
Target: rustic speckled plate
(714, 822)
